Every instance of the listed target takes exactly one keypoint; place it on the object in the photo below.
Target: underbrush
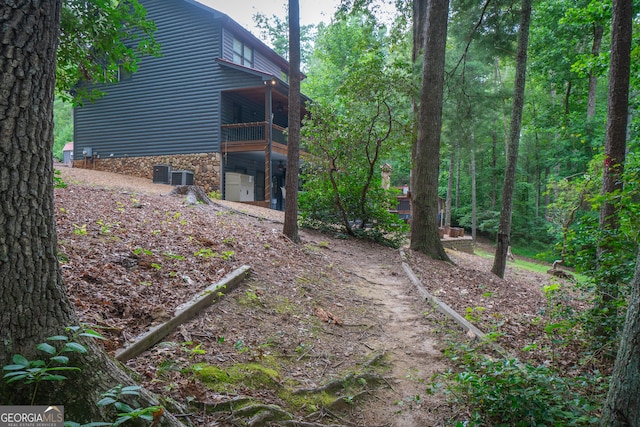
(560, 379)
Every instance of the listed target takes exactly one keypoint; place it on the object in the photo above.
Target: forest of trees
(536, 148)
(576, 179)
(562, 137)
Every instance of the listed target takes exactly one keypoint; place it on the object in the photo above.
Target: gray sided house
(212, 110)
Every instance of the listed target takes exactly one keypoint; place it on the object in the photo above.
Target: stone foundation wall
(462, 244)
(205, 166)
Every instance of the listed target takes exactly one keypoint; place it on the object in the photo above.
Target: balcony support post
(268, 111)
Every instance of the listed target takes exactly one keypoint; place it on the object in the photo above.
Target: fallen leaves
(327, 316)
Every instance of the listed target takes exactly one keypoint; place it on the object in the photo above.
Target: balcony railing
(252, 132)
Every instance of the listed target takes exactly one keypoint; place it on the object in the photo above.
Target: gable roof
(237, 29)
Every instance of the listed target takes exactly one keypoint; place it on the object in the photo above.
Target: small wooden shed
(67, 153)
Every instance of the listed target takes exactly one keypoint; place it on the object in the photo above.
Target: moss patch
(308, 403)
(240, 376)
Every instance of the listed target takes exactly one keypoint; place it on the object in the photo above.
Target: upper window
(242, 54)
(123, 73)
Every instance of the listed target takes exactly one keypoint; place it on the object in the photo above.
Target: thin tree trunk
(293, 139)
(419, 9)
(598, 31)
(458, 169)
(622, 407)
(447, 214)
(504, 228)
(32, 294)
(616, 136)
(424, 195)
(505, 126)
(494, 166)
(473, 188)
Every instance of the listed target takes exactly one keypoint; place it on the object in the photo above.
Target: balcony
(244, 137)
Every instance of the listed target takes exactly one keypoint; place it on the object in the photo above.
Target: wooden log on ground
(184, 313)
(441, 306)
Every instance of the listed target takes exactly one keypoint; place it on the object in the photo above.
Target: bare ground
(130, 255)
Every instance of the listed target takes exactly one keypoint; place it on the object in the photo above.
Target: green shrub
(506, 392)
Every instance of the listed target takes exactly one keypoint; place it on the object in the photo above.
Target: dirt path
(400, 330)
(368, 287)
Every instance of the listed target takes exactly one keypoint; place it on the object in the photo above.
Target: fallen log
(184, 313)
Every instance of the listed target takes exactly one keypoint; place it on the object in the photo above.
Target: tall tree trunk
(419, 8)
(616, 136)
(622, 407)
(424, 195)
(458, 172)
(293, 140)
(452, 162)
(494, 167)
(419, 21)
(598, 31)
(32, 294)
(473, 188)
(504, 228)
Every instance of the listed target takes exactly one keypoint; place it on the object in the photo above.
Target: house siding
(260, 61)
(171, 104)
(171, 109)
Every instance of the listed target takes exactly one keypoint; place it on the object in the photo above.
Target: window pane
(248, 56)
(237, 47)
(237, 58)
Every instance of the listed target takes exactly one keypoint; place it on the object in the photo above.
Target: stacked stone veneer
(205, 166)
(462, 244)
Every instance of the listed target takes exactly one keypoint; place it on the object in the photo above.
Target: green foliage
(507, 392)
(123, 412)
(576, 215)
(58, 182)
(99, 40)
(56, 349)
(138, 250)
(319, 209)
(214, 195)
(358, 119)
(275, 31)
(339, 49)
(208, 253)
(62, 126)
(80, 230)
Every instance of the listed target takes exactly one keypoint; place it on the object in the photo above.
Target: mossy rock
(252, 376)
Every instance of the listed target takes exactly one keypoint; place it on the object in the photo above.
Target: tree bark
(419, 17)
(458, 180)
(494, 167)
(32, 294)
(504, 228)
(622, 407)
(290, 228)
(615, 141)
(598, 31)
(474, 215)
(424, 190)
(617, 114)
(452, 162)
